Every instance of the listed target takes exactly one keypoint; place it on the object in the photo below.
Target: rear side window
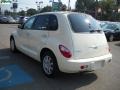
(53, 22)
(83, 23)
(46, 22)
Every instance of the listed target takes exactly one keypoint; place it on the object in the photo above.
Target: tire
(111, 38)
(12, 45)
(49, 64)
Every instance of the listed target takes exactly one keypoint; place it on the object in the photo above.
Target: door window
(29, 23)
(41, 22)
(46, 22)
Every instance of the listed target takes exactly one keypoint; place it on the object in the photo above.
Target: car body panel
(85, 48)
(91, 45)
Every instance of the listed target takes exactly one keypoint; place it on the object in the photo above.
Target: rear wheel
(111, 38)
(49, 64)
(12, 45)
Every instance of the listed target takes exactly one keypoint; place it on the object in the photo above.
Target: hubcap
(48, 65)
(12, 45)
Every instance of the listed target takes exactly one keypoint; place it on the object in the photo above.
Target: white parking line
(8, 74)
(4, 57)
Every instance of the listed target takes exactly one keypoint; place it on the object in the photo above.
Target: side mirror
(20, 26)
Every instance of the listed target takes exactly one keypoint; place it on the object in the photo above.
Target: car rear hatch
(89, 45)
(88, 38)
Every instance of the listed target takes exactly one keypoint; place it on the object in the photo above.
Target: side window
(29, 23)
(111, 26)
(41, 22)
(53, 23)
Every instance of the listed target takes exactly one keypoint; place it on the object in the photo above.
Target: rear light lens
(83, 66)
(65, 51)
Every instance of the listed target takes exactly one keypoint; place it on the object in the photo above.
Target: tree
(46, 9)
(22, 13)
(63, 7)
(108, 9)
(107, 5)
(118, 2)
(85, 5)
(31, 12)
(6, 12)
(101, 9)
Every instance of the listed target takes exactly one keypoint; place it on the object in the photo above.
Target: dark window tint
(46, 22)
(41, 22)
(110, 26)
(83, 23)
(29, 23)
(53, 22)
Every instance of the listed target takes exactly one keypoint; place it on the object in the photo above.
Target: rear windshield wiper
(93, 31)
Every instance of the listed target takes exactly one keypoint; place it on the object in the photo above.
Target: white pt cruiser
(63, 41)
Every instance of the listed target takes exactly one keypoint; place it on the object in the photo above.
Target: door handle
(94, 47)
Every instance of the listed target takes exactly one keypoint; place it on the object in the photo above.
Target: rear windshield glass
(83, 23)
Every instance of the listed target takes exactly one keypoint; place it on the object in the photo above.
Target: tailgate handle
(94, 47)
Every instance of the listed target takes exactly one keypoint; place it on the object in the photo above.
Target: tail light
(65, 51)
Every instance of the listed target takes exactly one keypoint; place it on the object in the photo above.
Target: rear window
(83, 23)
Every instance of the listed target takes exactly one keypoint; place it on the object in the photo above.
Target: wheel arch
(11, 36)
(56, 66)
(45, 49)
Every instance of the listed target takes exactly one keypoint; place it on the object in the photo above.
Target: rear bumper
(73, 66)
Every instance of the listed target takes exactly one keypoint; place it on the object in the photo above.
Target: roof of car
(57, 12)
(61, 12)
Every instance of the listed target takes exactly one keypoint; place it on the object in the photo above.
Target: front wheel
(12, 45)
(49, 64)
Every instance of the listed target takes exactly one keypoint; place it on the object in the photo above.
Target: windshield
(118, 25)
(83, 23)
(110, 26)
(10, 18)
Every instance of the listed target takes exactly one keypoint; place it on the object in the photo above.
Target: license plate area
(97, 65)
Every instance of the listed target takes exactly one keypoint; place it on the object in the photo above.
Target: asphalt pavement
(108, 78)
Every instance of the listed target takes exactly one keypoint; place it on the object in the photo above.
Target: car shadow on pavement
(118, 44)
(40, 81)
(74, 81)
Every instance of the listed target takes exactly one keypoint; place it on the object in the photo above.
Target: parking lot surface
(20, 72)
